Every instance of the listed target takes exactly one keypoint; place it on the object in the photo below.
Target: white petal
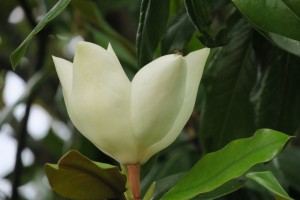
(112, 52)
(195, 64)
(100, 103)
(156, 98)
(95, 66)
(64, 70)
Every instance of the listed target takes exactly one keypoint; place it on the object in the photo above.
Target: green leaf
(289, 165)
(54, 12)
(216, 168)
(267, 180)
(277, 93)
(179, 160)
(152, 24)
(228, 80)
(90, 12)
(175, 38)
(124, 55)
(224, 189)
(294, 5)
(149, 193)
(164, 185)
(200, 14)
(77, 177)
(287, 44)
(217, 4)
(262, 14)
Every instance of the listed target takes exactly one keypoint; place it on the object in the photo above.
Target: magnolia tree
(134, 105)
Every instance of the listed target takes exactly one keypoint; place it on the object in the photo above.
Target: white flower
(129, 120)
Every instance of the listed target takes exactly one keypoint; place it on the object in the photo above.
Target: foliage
(92, 180)
(250, 82)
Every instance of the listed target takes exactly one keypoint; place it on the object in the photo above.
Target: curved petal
(100, 103)
(156, 98)
(195, 62)
(64, 70)
(112, 52)
(95, 66)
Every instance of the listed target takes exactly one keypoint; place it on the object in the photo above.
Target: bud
(129, 120)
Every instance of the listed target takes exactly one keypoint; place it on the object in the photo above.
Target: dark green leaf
(294, 5)
(90, 11)
(178, 160)
(200, 14)
(224, 189)
(149, 193)
(268, 181)
(289, 165)
(287, 44)
(277, 94)
(152, 24)
(54, 12)
(216, 168)
(271, 16)
(77, 177)
(175, 38)
(228, 81)
(122, 52)
(217, 4)
(164, 185)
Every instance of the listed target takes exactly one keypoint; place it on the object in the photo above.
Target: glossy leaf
(152, 24)
(267, 180)
(278, 88)
(200, 14)
(224, 189)
(54, 12)
(287, 44)
(294, 5)
(262, 14)
(216, 168)
(289, 165)
(229, 79)
(175, 38)
(164, 185)
(77, 177)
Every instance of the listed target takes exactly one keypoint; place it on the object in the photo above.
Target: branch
(28, 13)
(21, 146)
(41, 52)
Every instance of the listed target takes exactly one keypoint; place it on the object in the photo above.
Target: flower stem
(134, 180)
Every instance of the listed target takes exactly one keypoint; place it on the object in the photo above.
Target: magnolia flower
(129, 120)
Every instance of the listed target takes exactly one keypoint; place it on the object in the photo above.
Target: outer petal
(64, 70)
(156, 98)
(100, 104)
(95, 66)
(113, 54)
(195, 62)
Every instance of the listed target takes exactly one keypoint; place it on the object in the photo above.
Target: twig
(42, 46)
(21, 146)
